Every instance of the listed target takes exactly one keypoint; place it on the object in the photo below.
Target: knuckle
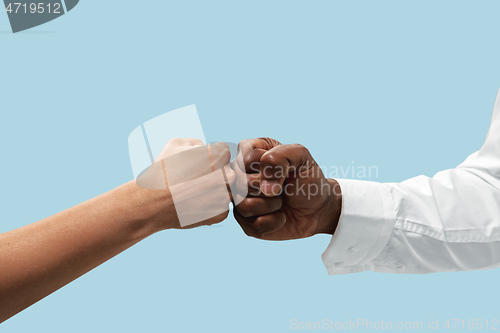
(269, 142)
(300, 149)
(245, 230)
(261, 226)
(246, 145)
(250, 163)
(175, 140)
(221, 145)
(270, 158)
(223, 149)
(243, 145)
(221, 154)
(251, 232)
(246, 208)
(253, 188)
(197, 142)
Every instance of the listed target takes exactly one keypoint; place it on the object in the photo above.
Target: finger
(276, 164)
(247, 183)
(229, 174)
(193, 142)
(201, 198)
(196, 162)
(251, 150)
(261, 225)
(259, 206)
(177, 145)
(186, 142)
(220, 155)
(230, 178)
(213, 220)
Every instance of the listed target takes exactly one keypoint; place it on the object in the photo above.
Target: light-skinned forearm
(40, 258)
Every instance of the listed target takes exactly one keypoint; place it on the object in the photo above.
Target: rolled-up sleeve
(449, 222)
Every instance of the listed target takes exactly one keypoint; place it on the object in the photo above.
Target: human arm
(449, 222)
(40, 258)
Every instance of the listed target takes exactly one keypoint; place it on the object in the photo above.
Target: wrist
(152, 209)
(330, 214)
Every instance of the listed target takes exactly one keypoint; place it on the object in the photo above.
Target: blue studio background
(407, 86)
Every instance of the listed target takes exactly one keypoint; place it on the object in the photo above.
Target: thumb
(277, 163)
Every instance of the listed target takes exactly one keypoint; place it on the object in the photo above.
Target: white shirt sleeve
(450, 222)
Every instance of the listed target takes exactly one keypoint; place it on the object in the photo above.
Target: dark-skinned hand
(288, 195)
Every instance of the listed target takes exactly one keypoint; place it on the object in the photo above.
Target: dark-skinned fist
(288, 195)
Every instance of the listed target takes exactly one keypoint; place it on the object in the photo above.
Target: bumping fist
(197, 178)
(288, 195)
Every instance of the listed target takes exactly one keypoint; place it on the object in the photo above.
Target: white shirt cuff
(364, 227)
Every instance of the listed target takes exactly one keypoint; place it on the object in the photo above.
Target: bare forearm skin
(42, 257)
